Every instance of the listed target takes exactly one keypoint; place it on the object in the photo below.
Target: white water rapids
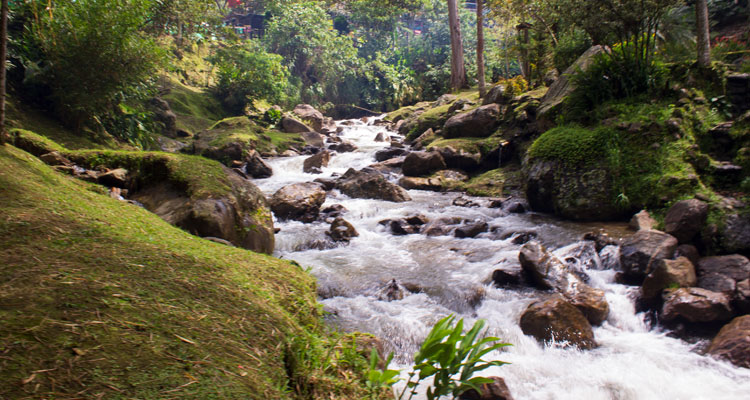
(632, 361)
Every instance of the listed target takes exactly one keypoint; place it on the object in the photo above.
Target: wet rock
(390, 166)
(341, 230)
(668, 274)
(331, 212)
(733, 342)
(343, 147)
(580, 257)
(117, 177)
(400, 226)
(315, 118)
(508, 275)
(688, 251)
(314, 164)
(641, 251)
(695, 305)
(289, 153)
(382, 137)
(392, 291)
(685, 219)
(480, 122)
(721, 273)
(291, 125)
(610, 258)
(514, 207)
(600, 239)
(520, 238)
(556, 319)
(464, 202)
(642, 221)
(327, 183)
(497, 390)
(298, 201)
(441, 226)
(55, 158)
(313, 139)
(256, 167)
(549, 272)
(742, 297)
(387, 154)
(423, 163)
(430, 184)
(471, 229)
(370, 184)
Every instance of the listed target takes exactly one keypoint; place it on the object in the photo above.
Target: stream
(633, 361)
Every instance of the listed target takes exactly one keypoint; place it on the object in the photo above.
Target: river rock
(314, 163)
(256, 167)
(425, 137)
(314, 118)
(460, 159)
(548, 272)
(733, 342)
(556, 319)
(508, 275)
(298, 201)
(55, 158)
(497, 390)
(609, 256)
(733, 233)
(392, 291)
(580, 257)
(668, 273)
(688, 251)
(641, 251)
(343, 147)
(696, 305)
(431, 184)
(313, 139)
(381, 137)
(370, 184)
(341, 230)
(387, 154)
(291, 125)
(441, 226)
(331, 212)
(600, 239)
(422, 163)
(721, 273)
(480, 122)
(400, 226)
(471, 229)
(685, 219)
(390, 166)
(642, 221)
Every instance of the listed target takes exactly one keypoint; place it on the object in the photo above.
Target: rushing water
(633, 361)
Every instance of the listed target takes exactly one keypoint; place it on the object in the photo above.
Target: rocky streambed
(392, 262)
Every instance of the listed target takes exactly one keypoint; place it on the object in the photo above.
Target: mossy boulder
(233, 138)
(196, 194)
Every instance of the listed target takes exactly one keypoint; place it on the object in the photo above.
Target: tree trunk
(458, 70)
(480, 48)
(3, 56)
(525, 63)
(701, 23)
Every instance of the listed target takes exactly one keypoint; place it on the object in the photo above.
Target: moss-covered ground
(250, 135)
(102, 299)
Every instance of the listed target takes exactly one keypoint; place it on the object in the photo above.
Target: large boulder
(641, 252)
(685, 219)
(292, 125)
(497, 390)
(313, 139)
(298, 201)
(696, 305)
(460, 159)
(668, 273)
(575, 193)
(431, 184)
(722, 273)
(370, 184)
(256, 167)
(549, 272)
(314, 163)
(314, 118)
(556, 319)
(421, 163)
(480, 122)
(341, 230)
(733, 342)
(387, 154)
(496, 95)
(240, 216)
(563, 86)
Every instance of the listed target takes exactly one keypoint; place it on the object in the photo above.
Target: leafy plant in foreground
(446, 353)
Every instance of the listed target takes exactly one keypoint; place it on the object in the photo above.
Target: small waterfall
(451, 275)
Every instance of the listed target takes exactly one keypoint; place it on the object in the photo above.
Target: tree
(701, 23)
(480, 48)
(3, 51)
(458, 71)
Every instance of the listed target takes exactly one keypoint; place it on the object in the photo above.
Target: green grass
(100, 298)
(249, 135)
(196, 109)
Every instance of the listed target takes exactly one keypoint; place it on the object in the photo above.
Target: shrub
(91, 54)
(570, 46)
(246, 73)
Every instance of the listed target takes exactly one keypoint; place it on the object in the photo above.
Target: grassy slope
(99, 297)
